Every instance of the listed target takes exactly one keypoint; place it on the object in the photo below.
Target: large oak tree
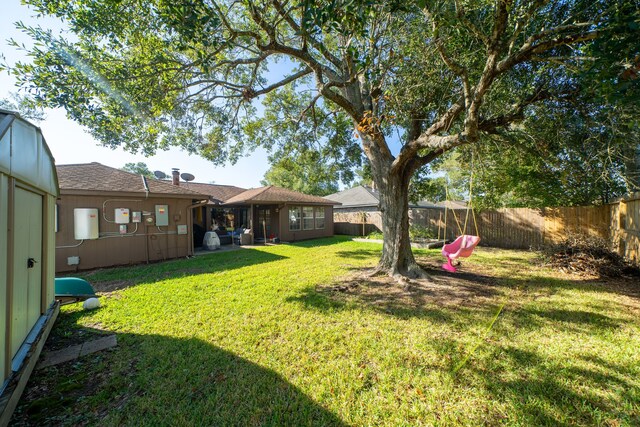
(147, 74)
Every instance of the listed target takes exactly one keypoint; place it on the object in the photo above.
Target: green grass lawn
(285, 335)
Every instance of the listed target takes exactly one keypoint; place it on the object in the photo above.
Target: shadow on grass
(472, 288)
(107, 280)
(577, 317)
(359, 254)
(620, 286)
(554, 392)
(159, 380)
(327, 301)
(418, 299)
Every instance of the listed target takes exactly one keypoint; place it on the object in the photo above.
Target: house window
(307, 218)
(294, 218)
(320, 217)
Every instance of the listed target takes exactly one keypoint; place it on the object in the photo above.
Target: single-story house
(275, 212)
(108, 217)
(28, 192)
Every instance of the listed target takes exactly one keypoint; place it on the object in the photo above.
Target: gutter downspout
(190, 208)
(145, 185)
(146, 234)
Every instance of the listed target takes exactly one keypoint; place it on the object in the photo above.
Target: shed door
(27, 265)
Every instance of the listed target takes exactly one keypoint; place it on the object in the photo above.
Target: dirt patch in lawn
(72, 334)
(109, 286)
(465, 288)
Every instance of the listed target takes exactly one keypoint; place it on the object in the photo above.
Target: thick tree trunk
(397, 258)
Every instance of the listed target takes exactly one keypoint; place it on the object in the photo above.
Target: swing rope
(453, 212)
(470, 205)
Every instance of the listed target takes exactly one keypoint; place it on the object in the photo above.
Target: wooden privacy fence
(523, 228)
(354, 229)
(518, 228)
(625, 227)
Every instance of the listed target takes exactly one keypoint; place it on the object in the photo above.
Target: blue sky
(69, 143)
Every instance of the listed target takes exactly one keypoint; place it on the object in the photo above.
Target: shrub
(420, 232)
(375, 235)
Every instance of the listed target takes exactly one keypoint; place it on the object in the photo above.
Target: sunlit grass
(251, 338)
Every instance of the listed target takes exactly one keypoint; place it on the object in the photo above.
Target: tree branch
(250, 93)
(491, 125)
(460, 13)
(456, 68)
(489, 71)
(320, 47)
(529, 49)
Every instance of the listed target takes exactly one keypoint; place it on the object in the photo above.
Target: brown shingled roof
(94, 176)
(220, 193)
(273, 194)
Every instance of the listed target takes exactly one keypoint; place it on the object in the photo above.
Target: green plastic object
(73, 289)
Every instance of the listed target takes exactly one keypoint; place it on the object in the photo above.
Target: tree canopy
(139, 168)
(24, 106)
(312, 153)
(147, 74)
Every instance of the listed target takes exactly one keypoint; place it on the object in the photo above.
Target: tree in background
(578, 147)
(23, 105)
(139, 168)
(305, 173)
(579, 162)
(314, 152)
(445, 178)
(144, 74)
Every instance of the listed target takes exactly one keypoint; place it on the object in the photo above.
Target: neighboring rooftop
(363, 196)
(94, 176)
(359, 196)
(219, 193)
(453, 204)
(273, 194)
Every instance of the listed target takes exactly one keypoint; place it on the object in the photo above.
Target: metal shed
(28, 192)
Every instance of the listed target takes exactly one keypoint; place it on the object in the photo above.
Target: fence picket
(522, 228)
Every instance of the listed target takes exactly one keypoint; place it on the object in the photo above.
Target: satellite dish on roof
(187, 177)
(160, 174)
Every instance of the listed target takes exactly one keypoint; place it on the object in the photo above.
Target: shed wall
(4, 192)
(49, 255)
(141, 244)
(5, 153)
(28, 186)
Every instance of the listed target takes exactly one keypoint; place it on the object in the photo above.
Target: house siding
(291, 236)
(163, 243)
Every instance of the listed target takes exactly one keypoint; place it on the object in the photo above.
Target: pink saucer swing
(462, 247)
(464, 244)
